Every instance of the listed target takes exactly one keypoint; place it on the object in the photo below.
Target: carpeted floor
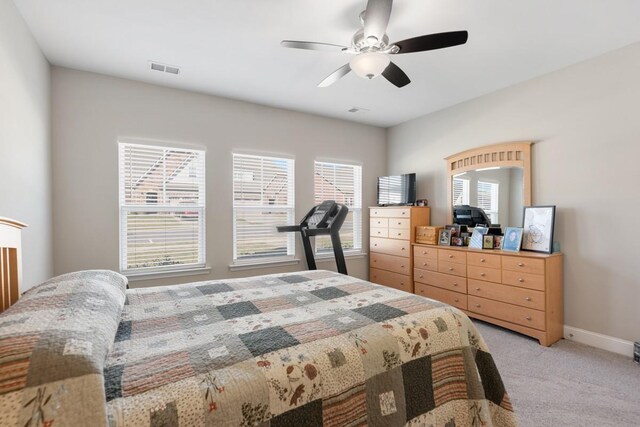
(568, 384)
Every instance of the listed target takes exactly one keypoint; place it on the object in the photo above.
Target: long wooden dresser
(392, 230)
(520, 291)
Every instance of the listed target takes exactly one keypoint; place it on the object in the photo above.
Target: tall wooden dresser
(520, 291)
(392, 231)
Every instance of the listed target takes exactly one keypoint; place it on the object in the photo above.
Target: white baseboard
(594, 339)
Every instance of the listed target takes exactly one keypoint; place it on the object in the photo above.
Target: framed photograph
(455, 230)
(487, 242)
(497, 242)
(457, 241)
(476, 240)
(538, 228)
(512, 239)
(444, 239)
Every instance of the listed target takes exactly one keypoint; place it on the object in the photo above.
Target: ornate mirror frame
(510, 154)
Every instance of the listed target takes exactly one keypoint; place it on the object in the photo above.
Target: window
(488, 199)
(263, 197)
(342, 183)
(460, 191)
(162, 208)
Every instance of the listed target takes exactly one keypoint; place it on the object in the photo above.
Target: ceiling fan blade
(335, 76)
(295, 44)
(395, 75)
(432, 41)
(376, 18)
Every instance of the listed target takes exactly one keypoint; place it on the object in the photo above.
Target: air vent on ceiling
(357, 110)
(164, 68)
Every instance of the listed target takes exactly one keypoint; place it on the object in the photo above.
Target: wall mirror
(496, 178)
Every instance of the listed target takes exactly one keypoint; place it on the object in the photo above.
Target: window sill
(140, 276)
(254, 265)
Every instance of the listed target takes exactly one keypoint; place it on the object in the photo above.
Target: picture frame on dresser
(538, 225)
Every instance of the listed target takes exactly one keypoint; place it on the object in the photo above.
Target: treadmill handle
(317, 232)
(287, 228)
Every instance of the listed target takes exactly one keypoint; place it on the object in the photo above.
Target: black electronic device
(397, 190)
(470, 216)
(324, 219)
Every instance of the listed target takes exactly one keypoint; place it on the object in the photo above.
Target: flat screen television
(397, 190)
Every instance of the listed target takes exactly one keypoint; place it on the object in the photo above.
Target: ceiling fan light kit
(369, 64)
(371, 46)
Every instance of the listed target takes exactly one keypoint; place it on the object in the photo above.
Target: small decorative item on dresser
(422, 202)
(427, 235)
(457, 241)
(512, 239)
(477, 237)
(444, 238)
(497, 242)
(538, 228)
(487, 242)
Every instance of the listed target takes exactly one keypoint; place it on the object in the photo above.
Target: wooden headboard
(10, 261)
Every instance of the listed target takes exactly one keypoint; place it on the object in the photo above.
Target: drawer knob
(477, 289)
(402, 266)
(399, 234)
(399, 223)
(375, 244)
(421, 276)
(424, 252)
(477, 305)
(456, 300)
(527, 299)
(450, 256)
(455, 284)
(424, 264)
(404, 212)
(520, 264)
(482, 274)
(403, 249)
(482, 260)
(450, 268)
(375, 260)
(521, 280)
(528, 318)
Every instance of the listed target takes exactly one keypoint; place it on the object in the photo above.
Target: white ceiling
(231, 48)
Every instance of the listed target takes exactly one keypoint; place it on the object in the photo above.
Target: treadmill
(323, 219)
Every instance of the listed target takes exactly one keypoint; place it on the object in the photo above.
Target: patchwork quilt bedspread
(313, 348)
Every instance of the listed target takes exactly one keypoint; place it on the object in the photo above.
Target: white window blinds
(460, 191)
(162, 208)
(342, 183)
(488, 199)
(263, 198)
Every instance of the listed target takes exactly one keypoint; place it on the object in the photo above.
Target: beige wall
(25, 152)
(91, 111)
(584, 120)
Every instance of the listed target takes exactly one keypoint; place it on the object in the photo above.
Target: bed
(313, 348)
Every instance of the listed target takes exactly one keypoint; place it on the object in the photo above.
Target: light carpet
(567, 384)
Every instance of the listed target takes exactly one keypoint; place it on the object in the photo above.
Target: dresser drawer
(392, 263)
(523, 280)
(527, 265)
(393, 280)
(452, 268)
(378, 223)
(483, 260)
(390, 213)
(397, 233)
(448, 297)
(510, 294)
(509, 312)
(425, 252)
(484, 273)
(379, 232)
(458, 257)
(445, 281)
(425, 263)
(400, 223)
(390, 246)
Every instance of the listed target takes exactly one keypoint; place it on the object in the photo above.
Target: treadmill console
(322, 214)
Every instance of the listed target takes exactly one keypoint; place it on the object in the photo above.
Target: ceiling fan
(372, 49)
